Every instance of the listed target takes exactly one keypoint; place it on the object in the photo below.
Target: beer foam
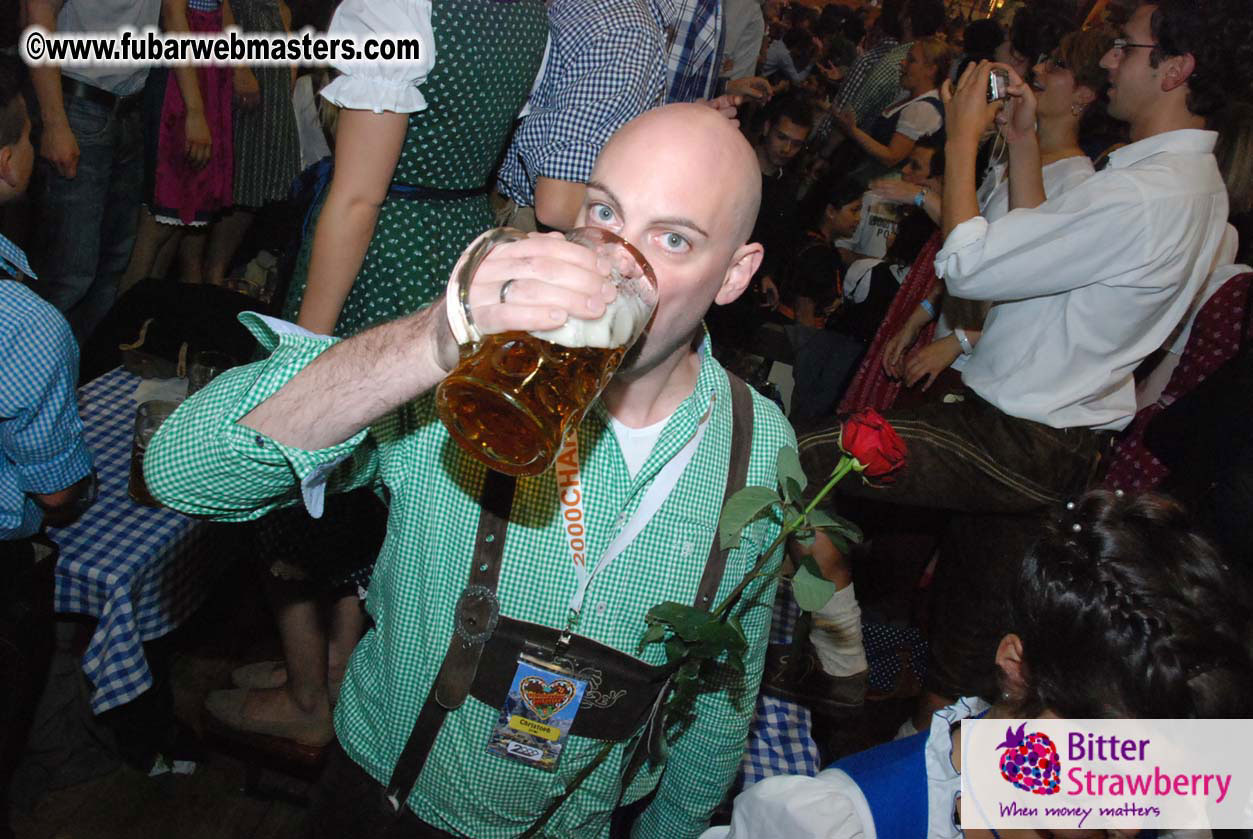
(623, 318)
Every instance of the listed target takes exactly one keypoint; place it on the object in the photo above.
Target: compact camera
(998, 85)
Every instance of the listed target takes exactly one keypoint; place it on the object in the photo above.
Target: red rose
(872, 441)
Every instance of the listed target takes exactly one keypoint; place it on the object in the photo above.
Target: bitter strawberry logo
(1029, 761)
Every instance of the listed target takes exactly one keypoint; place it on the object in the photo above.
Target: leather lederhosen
(482, 655)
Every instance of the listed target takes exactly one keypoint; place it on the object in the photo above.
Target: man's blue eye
(674, 241)
(602, 213)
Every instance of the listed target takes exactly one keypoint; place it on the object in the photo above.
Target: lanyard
(571, 492)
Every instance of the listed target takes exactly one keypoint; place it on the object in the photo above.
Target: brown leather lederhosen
(482, 656)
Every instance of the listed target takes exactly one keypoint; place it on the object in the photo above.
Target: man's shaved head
(696, 142)
(683, 185)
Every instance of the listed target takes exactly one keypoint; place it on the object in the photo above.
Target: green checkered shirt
(203, 462)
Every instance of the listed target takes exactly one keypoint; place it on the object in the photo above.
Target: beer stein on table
(514, 397)
(206, 365)
(148, 419)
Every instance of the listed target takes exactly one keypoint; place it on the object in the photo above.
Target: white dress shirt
(1149, 389)
(745, 29)
(1089, 283)
(1060, 177)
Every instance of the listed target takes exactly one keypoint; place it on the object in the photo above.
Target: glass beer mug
(514, 396)
(148, 418)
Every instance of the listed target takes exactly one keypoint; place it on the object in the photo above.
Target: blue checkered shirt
(696, 53)
(41, 436)
(13, 261)
(606, 65)
(852, 84)
(861, 67)
(882, 85)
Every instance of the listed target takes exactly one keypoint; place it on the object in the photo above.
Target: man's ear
(7, 174)
(744, 264)
(1009, 662)
(1176, 70)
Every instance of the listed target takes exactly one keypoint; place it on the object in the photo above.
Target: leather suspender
(737, 472)
(476, 614)
(478, 611)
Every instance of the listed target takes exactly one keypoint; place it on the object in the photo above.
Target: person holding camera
(1086, 285)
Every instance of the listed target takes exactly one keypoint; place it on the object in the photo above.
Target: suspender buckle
(476, 615)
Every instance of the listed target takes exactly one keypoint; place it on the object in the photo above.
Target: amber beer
(512, 401)
(513, 397)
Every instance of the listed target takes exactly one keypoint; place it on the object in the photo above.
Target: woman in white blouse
(890, 137)
(1067, 84)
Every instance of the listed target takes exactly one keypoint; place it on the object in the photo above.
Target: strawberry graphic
(1030, 762)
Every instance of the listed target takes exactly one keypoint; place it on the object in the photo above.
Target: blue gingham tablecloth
(779, 739)
(135, 569)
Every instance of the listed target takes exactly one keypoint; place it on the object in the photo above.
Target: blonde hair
(938, 52)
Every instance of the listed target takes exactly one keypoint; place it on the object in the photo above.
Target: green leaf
(834, 524)
(666, 612)
(788, 467)
(791, 490)
(686, 621)
(721, 636)
(736, 662)
(654, 634)
(740, 509)
(810, 589)
(676, 649)
(808, 562)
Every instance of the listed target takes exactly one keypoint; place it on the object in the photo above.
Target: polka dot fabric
(488, 56)
(891, 649)
(1214, 341)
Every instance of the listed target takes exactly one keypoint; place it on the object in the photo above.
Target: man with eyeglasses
(1085, 286)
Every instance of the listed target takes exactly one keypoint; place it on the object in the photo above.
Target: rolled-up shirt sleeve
(1087, 235)
(382, 86)
(602, 87)
(41, 435)
(203, 462)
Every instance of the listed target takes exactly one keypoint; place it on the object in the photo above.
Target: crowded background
(1042, 292)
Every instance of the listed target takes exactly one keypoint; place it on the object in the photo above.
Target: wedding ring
(504, 289)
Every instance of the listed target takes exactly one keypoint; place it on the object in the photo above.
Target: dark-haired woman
(1069, 84)
(1099, 626)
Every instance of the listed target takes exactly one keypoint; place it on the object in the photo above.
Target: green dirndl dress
(487, 55)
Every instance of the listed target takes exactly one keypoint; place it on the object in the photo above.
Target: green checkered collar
(712, 393)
